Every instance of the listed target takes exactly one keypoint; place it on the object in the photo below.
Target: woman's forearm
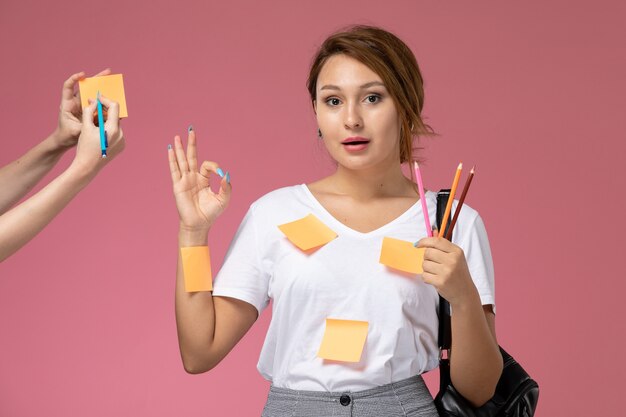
(195, 313)
(475, 360)
(20, 176)
(20, 224)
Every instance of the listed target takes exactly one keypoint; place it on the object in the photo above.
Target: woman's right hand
(198, 206)
(88, 160)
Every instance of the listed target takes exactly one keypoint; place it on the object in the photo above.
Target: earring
(319, 133)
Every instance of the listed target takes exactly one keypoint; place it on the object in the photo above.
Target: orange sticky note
(197, 268)
(343, 340)
(402, 255)
(308, 232)
(110, 86)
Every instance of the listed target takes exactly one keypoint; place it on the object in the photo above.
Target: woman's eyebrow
(362, 87)
(372, 84)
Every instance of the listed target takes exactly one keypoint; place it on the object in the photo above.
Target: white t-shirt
(342, 280)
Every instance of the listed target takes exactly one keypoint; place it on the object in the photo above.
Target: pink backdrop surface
(533, 94)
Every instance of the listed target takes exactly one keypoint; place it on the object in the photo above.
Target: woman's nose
(352, 118)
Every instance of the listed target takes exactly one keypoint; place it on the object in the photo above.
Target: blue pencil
(103, 138)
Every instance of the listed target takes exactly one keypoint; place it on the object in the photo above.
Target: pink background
(532, 93)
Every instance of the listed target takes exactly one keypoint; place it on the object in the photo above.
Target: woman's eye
(373, 98)
(333, 101)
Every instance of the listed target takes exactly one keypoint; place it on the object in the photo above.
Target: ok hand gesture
(198, 206)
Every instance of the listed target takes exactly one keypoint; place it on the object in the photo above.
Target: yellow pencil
(446, 215)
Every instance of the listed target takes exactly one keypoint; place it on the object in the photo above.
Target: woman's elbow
(194, 365)
(480, 399)
(488, 388)
(194, 369)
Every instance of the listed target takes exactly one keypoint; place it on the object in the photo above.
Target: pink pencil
(420, 188)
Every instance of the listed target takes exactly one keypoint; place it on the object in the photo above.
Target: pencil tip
(460, 165)
(472, 171)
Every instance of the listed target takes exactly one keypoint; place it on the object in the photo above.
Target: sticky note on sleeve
(402, 255)
(343, 340)
(110, 86)
(307, 233)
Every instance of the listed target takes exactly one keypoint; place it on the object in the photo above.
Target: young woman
(367, 94)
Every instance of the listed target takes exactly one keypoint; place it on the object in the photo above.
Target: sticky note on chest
(307, 233)
(402, 255)
(110, 86)
(343, 340)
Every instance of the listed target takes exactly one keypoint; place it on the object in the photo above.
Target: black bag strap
(445, 333)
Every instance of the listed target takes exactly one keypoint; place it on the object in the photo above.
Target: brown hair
(390, 58)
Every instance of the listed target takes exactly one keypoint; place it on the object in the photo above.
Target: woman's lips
(355, 144)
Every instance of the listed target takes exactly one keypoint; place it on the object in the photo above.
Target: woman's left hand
(446, 269)
(71, 112)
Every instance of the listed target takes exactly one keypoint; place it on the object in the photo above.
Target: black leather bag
(516, 393)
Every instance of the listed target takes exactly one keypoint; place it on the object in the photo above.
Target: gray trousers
(409, 397)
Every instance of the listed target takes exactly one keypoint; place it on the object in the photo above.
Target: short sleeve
(242, 275)
(475, 244)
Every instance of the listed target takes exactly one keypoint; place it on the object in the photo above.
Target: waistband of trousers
(416, 381)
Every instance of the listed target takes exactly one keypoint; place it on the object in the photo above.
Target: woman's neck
(363, 185)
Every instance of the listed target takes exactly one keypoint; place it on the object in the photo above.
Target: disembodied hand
(70, 111)
(88, 160)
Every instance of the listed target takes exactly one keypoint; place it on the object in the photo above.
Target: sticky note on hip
(110, 86)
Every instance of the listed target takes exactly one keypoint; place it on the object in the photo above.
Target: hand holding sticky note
(343, 340)
(110, 86)
(307, 233)
(402, 255)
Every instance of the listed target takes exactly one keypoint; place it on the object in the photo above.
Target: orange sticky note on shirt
(402, 255)
(110, 86)
(197, 268)
(343, 340)
(308, 232)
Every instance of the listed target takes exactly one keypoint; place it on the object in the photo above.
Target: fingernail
(220, 172)
(169, 147)
(228, 178)
(190, 128)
